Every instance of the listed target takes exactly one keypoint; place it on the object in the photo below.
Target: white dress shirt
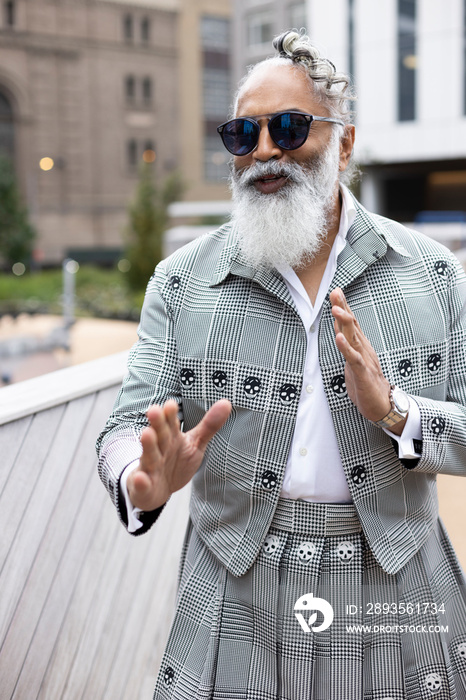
(314, 471)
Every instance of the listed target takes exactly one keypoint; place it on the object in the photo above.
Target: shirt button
(309, 389)
(303, 451)
(312, 328)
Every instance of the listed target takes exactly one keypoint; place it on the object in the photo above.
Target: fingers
(348, 332)
(164, 422)
(138, 484)
(337, 298)
(150, 448)
(349, 338)
(367, 386)
(213, 420)
(340, 308)
(158, 437)
(350, 354)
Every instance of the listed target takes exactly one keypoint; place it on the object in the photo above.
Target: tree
(17, 236)
(148, 220)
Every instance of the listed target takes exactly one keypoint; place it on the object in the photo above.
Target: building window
(215, 159)
(464, 56)
(130, 88)
(216, 92)
(407, 60)
(297, 15)
(148, 153)
(132, 153)
(260, 29)
(128, 27)
(215, 36)
(149, 145)
(145, 29)
(7, 134)
(9, 13)
(137, 151)
(147, 90)
(351, 40)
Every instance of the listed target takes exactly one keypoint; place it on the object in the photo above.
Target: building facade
(205, 92)
(407, 59)
(256, 22)
(88, 90)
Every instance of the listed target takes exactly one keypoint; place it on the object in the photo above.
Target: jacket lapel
(366, 242)
(233, 262)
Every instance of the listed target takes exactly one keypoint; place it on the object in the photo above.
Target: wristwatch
(399, 410)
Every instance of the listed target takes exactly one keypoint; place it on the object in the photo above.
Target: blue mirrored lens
(240, 136)
(289, 131)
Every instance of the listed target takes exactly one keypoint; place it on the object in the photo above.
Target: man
(315, 355)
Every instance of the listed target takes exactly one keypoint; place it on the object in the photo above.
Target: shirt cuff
(133, 520)
(410, 440)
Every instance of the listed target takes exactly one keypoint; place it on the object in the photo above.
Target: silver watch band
(397, 414)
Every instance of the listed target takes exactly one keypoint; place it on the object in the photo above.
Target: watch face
(401, 400)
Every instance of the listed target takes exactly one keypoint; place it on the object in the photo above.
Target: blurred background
(110, 159)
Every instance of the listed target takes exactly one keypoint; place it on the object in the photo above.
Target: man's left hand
(367, 387)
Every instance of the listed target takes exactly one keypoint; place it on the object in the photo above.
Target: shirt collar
(347, 216)
(232, 260)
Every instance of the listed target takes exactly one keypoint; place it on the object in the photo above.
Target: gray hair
(331, 89)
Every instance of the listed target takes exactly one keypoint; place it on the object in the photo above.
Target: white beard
(290, 225)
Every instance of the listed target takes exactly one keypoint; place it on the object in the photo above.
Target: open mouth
(270, 183)
(270, 177)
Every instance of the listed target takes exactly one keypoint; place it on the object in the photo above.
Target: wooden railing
(85, 608)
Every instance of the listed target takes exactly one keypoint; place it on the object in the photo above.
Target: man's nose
(266, 147)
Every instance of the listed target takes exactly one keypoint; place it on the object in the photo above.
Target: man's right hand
(170, 458)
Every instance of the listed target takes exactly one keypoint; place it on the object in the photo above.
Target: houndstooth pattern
(212, 327)
(238, 638)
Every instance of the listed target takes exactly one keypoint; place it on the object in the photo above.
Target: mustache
(246, 176)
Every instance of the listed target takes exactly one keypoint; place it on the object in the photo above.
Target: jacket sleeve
(152, 378)
(444, 422)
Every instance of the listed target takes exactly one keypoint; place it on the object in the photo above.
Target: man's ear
(346, 146)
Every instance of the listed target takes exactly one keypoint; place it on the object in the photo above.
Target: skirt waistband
(319, 519)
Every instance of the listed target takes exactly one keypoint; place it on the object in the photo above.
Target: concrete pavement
(90, 338)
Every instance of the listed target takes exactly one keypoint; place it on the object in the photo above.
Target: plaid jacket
(212, 327)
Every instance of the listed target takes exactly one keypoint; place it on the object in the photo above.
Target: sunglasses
(288, 130)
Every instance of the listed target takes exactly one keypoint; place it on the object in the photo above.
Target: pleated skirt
(317, 618)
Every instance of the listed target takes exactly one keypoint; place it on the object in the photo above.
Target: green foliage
(16, 233)
(213, 220)
(172, 189)
(148, 220)
(105, 294)
(100, 293)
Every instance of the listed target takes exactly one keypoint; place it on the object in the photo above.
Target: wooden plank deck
(85, 608)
